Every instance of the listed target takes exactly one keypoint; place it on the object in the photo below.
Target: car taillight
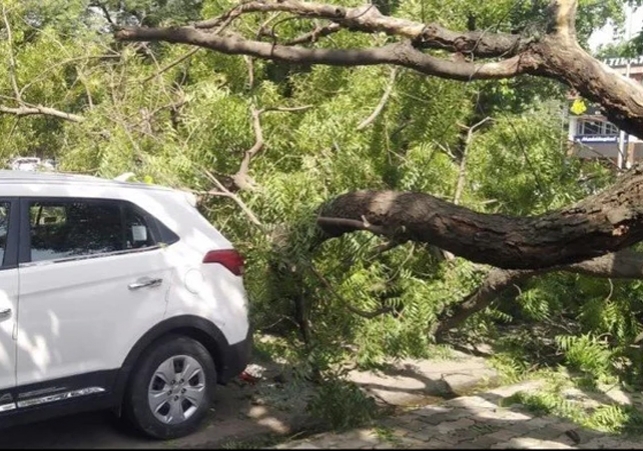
(231, 259)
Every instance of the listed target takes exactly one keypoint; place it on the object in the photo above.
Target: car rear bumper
(237, 357)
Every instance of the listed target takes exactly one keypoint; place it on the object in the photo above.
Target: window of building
(610, 129)
(589, 127)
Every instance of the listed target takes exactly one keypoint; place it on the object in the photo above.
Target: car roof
(17, 177)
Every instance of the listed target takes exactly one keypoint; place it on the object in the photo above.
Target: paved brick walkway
(469, 422)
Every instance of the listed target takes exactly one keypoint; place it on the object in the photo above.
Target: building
(592, 135)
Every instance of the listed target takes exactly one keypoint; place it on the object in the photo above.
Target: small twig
(26, 110)
(226, 193)
(380, 106)
(351, 224)
(609, 296)
(445, 149)
(241, 178)
(171, 65)
(463, 161)
(384, 247)
(12, 60)
(102, 6)
(315, 34)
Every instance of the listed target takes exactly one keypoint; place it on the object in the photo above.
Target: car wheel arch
(197, 328)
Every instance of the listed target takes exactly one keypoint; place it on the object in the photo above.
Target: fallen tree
(591, 236)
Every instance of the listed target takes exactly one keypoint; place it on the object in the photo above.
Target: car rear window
(76, 228)
(4, 228)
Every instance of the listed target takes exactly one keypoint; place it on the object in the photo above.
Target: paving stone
(630, 445)
(502, 445)
(305, 445)
(471, 402)
(535, 423)
(455, 425)
(534, 443)
(384, 445)
(426, 433)
(437, 444)
(466, 434)
(432, 410)
(484, 442)
(485, 428)
(411, 443)
(488, 414)
(413, 425)
(511, 415)
(503, 435)
(353, 443)
(327, 442)
(434, 419)
(543, 433)
(399, 431)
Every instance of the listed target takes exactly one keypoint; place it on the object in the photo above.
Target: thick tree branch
(367, 18)
(400, 54)
(563, 19)
(603, 223)
(555, 55)
(626, 264)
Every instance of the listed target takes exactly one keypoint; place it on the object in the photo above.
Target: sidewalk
(474, 422)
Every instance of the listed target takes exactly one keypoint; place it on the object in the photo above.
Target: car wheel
(171, 388)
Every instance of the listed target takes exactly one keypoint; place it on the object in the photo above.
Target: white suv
(114, 295)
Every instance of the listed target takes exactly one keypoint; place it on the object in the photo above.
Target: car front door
(8, 300)
(92, 281)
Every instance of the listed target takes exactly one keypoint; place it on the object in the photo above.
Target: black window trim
(24, 251)
(10, 259)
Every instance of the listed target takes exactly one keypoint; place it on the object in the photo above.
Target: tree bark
(603, 223)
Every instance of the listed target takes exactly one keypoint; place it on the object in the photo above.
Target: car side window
(66, 229)
(4, 228)
(138, 233)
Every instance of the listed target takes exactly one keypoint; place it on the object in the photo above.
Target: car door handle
(145, 282)
(5, 314)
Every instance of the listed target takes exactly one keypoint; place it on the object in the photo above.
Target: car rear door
(9, 229)
(92, 281)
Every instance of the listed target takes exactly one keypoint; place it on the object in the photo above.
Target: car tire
(171, 388)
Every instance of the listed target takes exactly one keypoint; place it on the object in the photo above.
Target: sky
(606, 34)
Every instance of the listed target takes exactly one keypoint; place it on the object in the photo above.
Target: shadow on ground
(242, 412)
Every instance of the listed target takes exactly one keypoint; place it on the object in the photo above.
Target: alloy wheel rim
(176, 389)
